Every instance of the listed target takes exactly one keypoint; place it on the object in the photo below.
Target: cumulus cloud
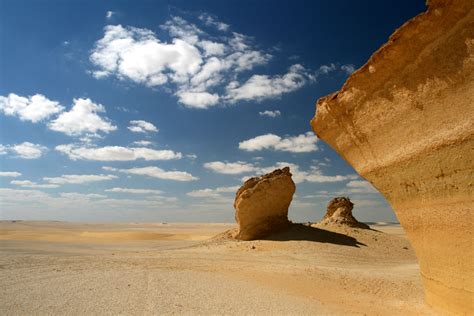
(27, 150)
(212, 193)
(139, 126)
(134, 191)
(156, 172)
(314, 174)
(116, 153)
(79, 179)
(210, 20)
(194, 64)
(109, 14)
(15, 195)
(198, 100)
(81, 196)
(11, 174)
(326, 69)
(82, 118)
(269, 113)
(229, 167)
(260, 87)
(33, 108)
(360, 186)
(348, 68)
(142, 143)
(296, 144)
(33, 185)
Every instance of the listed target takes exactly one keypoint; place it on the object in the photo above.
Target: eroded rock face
(339, 212)
(261, 204)
(405, 122)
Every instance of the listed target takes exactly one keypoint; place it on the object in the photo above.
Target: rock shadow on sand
(313, 234)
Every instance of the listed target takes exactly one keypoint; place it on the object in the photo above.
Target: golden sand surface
(159, 268)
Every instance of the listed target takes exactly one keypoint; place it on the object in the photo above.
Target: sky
(159, 110)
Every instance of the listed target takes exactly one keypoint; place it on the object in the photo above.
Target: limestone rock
(339, 212)
(261, 204)
(405, 122)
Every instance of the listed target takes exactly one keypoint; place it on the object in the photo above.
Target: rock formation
(405, 122)
(261, 204)
(339, 212)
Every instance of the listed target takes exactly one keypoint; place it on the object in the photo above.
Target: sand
(134, 268)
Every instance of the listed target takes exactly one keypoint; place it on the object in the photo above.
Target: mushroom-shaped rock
(339, 211)
(261, 204)
(405, 122)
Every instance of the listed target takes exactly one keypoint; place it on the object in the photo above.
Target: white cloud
(198, 100)
(139, 126)
(81, 196)
(191, 156)
(3, 150)
(193, 64)
(27, 150)
(81, 119)
(156, 172)
(137, 54)
(116, 153)
(212, 193)
(360, 186)
(348, 68)
(134, 191)
(109, 14)
(79, 179)
(11, 174)
(314, 174)
(34, 108)
(142, 143)
(229, 167)
(33, 185)
(260, 87)
(302, 143)
(15, 195)
(212, 48)
(266, 141)
(325, 69)
(270, 113)
(210, 20)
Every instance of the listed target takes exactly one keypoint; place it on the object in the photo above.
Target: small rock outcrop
(405, 122)
(261, 204)
(339, 212)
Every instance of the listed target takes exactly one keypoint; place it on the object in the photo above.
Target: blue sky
(158, 110)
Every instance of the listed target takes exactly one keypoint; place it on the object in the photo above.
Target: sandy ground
(97, 269)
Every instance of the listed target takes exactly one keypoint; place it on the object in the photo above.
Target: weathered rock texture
(261, 204)
(404, 121)
(339, 212)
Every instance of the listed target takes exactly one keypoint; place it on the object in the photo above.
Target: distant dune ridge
(405, 122)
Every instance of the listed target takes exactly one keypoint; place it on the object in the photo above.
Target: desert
(303, 158)
(178, 268)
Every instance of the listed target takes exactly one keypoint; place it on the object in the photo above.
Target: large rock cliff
(405, 122)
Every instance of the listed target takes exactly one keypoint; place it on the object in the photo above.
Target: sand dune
(81, 268)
